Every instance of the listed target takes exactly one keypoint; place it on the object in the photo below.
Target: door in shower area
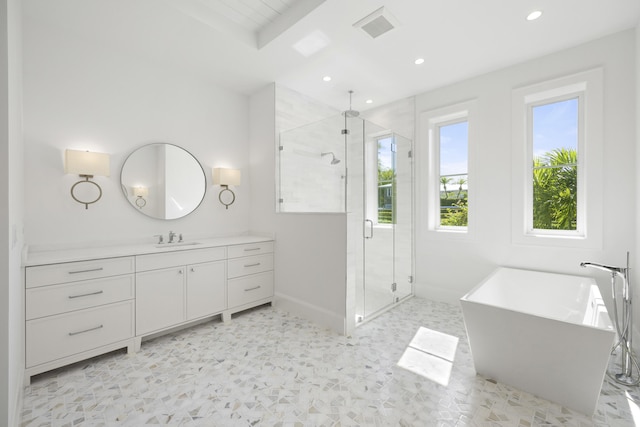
(386, 260)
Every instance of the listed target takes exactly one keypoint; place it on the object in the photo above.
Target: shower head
(350, 112)
(334, 161)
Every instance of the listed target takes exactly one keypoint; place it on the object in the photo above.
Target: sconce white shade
(86, 163)
(140, 191)
(224, 176)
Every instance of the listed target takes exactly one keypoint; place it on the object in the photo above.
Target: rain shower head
(350, 112)
(334, 161)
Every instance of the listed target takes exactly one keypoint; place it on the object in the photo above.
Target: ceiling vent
(377, 23)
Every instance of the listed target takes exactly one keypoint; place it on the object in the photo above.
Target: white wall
(81, 94)
(635, 281)
(11, 214)
(446, 268)
(310, 256)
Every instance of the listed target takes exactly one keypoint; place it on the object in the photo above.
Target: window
(386, 180)
(449, 197)
(557, 137)
(555, 131)
(453, 140)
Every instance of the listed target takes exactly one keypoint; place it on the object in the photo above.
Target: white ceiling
(219, 39)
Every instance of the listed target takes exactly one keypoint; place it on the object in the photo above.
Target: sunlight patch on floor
(430, 354)
(633, 408)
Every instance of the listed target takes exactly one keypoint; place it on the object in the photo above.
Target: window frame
(371, 176)
(438, 163)
(432, 121)
(587, 88)
(580, 230)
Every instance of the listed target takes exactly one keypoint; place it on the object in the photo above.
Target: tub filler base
(544, 333)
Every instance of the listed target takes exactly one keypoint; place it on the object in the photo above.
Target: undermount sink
(173, 245)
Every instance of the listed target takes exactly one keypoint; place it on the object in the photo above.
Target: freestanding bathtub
(544, 333)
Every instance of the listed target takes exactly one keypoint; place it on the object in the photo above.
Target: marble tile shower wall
(399, 116)
(308, 181)
(304, 177)
(294, 109)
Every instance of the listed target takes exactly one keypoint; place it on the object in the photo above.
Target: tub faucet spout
(622, 271)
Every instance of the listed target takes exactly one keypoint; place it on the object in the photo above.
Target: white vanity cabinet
(84, 302)
(250, 275)
(176, 287)
(77, 310)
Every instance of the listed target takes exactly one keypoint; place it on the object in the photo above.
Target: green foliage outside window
(386, 195)
(456, 216)
(555, 185)
(454, 210)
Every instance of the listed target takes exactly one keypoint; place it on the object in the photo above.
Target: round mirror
(163, 181)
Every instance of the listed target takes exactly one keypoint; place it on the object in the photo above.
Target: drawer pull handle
(86, 271)
(85, 295)
(251, 249)
(252, 289)
(86, 330)
(252, 265)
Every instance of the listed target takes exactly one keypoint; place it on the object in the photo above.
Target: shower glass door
(378, 232)
(383, 175)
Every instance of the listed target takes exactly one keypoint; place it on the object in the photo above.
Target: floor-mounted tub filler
(623, 319)
(544, 333)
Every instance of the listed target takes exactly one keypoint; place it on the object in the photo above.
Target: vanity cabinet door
(206, 289)
(160, 299)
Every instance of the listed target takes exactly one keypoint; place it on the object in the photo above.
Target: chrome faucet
(171, 236)
(623, 323)
(622, 271)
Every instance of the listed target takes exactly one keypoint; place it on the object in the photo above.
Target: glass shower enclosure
(345, 164)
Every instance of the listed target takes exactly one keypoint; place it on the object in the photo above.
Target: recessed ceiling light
(327, 78)
(534, 15)
(419, 61)
(369, 101)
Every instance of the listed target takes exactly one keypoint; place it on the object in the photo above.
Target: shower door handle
(364, 229)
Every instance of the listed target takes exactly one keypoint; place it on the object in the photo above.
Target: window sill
(557, 240)
(453, 233)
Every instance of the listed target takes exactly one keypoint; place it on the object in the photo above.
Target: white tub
(544, 333)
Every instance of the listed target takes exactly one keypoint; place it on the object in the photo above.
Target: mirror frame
(133, 202)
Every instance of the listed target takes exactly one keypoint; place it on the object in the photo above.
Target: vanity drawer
(249, 265)
(238, 251)
(179, 258)
(75, 271)
(55, 299)
(55, 337)
(248, 289)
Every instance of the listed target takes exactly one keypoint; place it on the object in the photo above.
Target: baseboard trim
(321, 316)
(435, 293)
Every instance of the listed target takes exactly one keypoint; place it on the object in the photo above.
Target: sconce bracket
(227, 202)
(86, 181)
(141, 202)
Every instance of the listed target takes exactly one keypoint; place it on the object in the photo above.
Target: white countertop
(41, 257)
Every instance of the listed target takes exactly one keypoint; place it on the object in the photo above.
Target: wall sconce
(224, 178)
(140, 193)
(86, 164)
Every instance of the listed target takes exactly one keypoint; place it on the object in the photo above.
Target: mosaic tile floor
(268, 368)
